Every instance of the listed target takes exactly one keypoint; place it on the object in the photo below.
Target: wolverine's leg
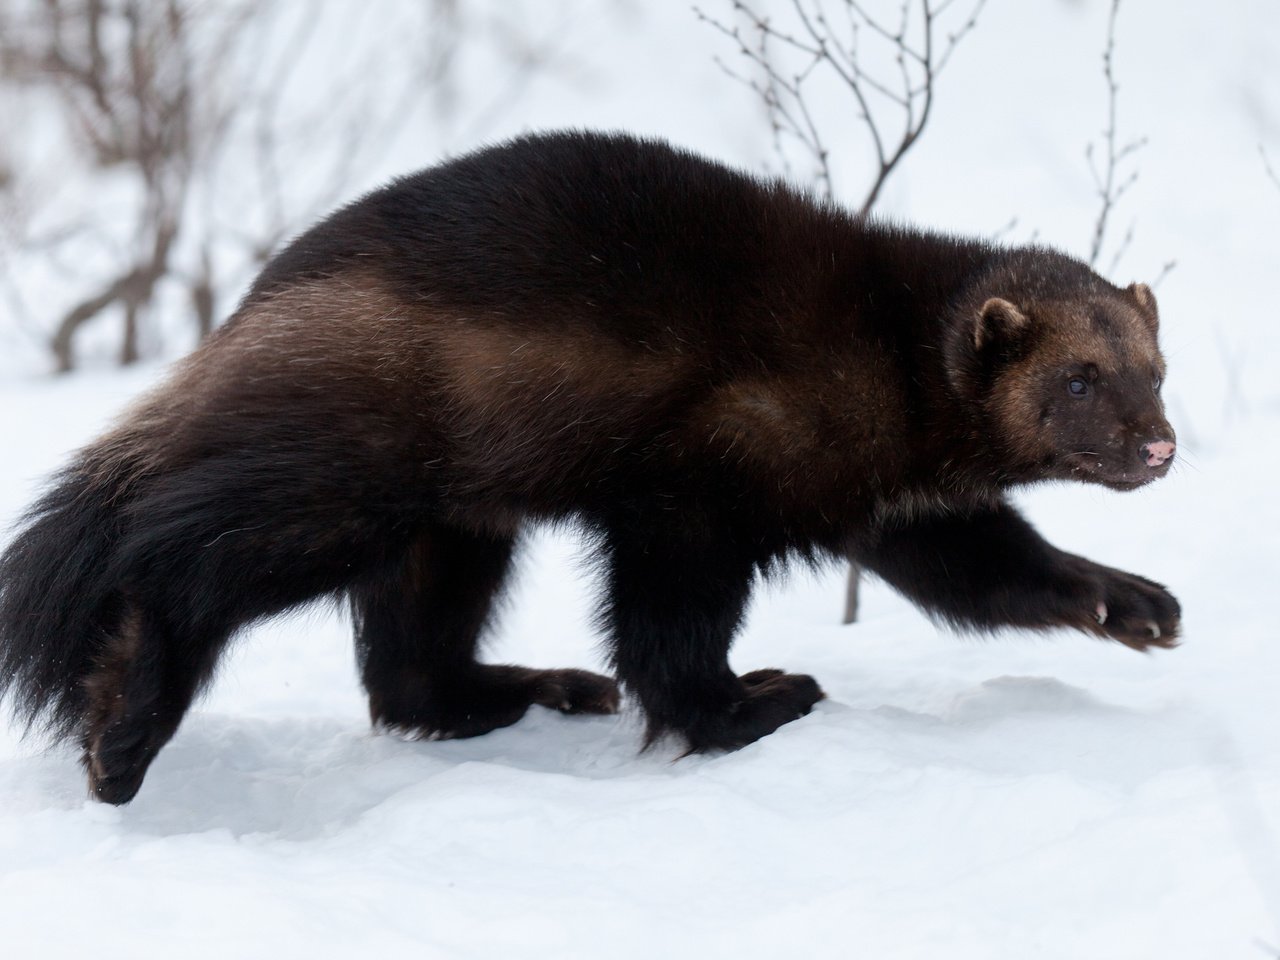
(418, 627)
(989, 568)
(673, 606)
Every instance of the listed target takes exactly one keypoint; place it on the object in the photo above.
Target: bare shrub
(192, 137)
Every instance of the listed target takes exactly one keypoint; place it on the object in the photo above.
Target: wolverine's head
(1069, 382)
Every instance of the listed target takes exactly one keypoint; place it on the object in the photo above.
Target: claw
(1102, 614)
(1154, 628)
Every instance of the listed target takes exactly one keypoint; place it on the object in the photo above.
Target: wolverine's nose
(1157, 453)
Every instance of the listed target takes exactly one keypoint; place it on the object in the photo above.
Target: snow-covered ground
(1052, 797)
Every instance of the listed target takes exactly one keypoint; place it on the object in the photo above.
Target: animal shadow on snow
(301, 778)
(1029, 725)
(304, 778)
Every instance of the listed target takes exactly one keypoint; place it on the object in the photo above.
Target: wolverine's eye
(1078, 386)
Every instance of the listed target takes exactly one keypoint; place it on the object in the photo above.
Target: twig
(1111, 182)
(1266, 165)
(786, 59)
(1164, 272)
(169, 93)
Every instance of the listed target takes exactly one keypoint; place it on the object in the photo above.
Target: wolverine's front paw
(1136, 612)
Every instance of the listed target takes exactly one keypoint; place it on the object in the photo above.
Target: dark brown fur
(107, 690)
(708, 373)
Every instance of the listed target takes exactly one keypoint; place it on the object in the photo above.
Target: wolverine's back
(625, 228)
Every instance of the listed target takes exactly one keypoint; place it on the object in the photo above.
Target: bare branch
(1164, 272)
(1266, 164)
(161, 96)
(785, 60)
(1005, 231)
(852, 593)
(1110, 182)
(80, 314)
(1121, 248)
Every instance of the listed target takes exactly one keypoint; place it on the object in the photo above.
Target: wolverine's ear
(1147, 301)
(998, 320)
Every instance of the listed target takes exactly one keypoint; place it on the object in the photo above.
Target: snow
(1023, 796)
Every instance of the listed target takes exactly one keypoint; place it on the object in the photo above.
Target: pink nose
(1155, 454)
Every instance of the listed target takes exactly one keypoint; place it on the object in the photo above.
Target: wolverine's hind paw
(576, 691)
(772, 699)
(487, 697)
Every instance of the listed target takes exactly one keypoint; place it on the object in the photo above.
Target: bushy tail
(57, 592)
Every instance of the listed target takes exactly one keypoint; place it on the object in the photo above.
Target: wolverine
(706, 372)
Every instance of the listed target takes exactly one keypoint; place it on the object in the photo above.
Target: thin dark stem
(1164, 272)
(1266, 165)
(1110, 182)
(916, 44)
